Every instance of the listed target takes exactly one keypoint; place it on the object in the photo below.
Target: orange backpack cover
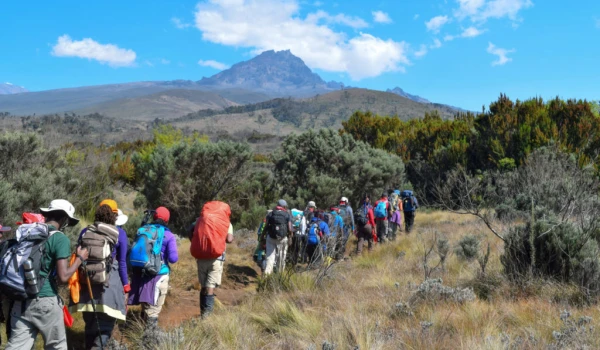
(210, 232)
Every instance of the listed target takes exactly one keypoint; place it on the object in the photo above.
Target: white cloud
(436, 44)
(164, 61)
(416, 17)
(436, 23)
(471, 32)
(449, 37)
(276, 25)
(148, 63)
(597, 22)
(381, 17)
(350, 21)
(318, 3)
(179, 24)
(87, 48)
(501, 53)
(482, 10)
(213, 64)
(422, 51)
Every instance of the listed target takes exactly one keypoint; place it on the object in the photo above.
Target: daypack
(297, 216)
(210, 232)
(314, 234)
(21, 262)
(278, 224)
(100, 240)
(329, 219)
(394, 201)
(360, 217)
(345, 214)
(381, 209)
(145, 255)
(408, 200)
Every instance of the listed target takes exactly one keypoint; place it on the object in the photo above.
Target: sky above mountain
(459, 52)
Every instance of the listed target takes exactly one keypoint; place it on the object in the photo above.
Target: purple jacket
(143, 287)
(119, 253)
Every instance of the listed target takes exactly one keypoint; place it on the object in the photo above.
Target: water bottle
(31, 277)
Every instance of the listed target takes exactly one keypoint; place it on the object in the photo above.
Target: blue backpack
(408, 200)
(381, 210)
(314, 234)
(145, 253)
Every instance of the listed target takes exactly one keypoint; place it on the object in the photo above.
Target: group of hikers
(106, 273)
(316, 235)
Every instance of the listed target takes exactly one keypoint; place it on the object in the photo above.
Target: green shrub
(467, 248)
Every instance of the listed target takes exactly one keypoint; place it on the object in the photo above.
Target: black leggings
(106, 324)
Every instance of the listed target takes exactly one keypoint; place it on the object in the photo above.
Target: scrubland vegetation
(505, 257)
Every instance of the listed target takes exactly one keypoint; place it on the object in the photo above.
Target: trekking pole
(89, 286)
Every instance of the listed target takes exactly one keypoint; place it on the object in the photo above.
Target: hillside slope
(283, 116)
(166, 105)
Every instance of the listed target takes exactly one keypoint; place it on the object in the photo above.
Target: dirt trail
(184, 303)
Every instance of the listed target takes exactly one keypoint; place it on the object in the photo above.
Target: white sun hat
(64, 206)
(121, 218)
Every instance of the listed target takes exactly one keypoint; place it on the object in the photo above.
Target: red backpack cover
(210, 232)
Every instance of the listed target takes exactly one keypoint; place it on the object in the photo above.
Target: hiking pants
(313, 252)
(276, 252)
(409, 220)
(365, 234)
(382, 227)
(160, 294)
(41, 315)
(105, 323)
(393, 230)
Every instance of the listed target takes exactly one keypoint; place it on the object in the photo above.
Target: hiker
(107, 277)
(316, 232)
(382, 214)
(337, 234)
(365, 222)
(310, 211)
(298, 237)
(212, 232)
(347, 215)
(3, 229)
(395, 222)
(4, 302)
(410, 206)
(149, 285)
(42, 309)
(279, 227)
(259, 253)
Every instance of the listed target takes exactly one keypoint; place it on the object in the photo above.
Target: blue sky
(459, 52)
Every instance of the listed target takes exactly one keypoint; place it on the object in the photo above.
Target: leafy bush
(184, 176)
(323, 165)
(467, 248)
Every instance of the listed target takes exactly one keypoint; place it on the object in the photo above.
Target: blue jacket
(338, 224)
(323, 227)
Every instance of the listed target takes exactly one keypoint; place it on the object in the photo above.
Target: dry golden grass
(355, 306)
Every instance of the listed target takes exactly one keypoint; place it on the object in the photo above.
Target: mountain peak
(398, 91)
(271, 71)
(9, 89)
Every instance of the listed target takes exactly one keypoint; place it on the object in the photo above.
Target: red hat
(30, 218)
(162, 213)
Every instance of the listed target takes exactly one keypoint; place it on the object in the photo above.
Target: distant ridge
(9, 89)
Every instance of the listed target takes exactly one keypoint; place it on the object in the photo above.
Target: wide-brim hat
(64, 206)
(121, 218)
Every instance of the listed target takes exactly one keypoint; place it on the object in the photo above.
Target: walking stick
(89, 286)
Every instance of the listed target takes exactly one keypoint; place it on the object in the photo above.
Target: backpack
(329, 219)
(145, 253)
(394, 201)
(278, 224)
(408, 200)
(210, 232)
(16, 281)
(360, 217)
(381, 209)
(314, 234)
(345, 214)
(297, 216)
(100, 240)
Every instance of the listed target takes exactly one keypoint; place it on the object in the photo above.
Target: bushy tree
(324, 165)
(184, 176)
(32, 175)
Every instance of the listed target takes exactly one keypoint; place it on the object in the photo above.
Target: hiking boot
(207, 304)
